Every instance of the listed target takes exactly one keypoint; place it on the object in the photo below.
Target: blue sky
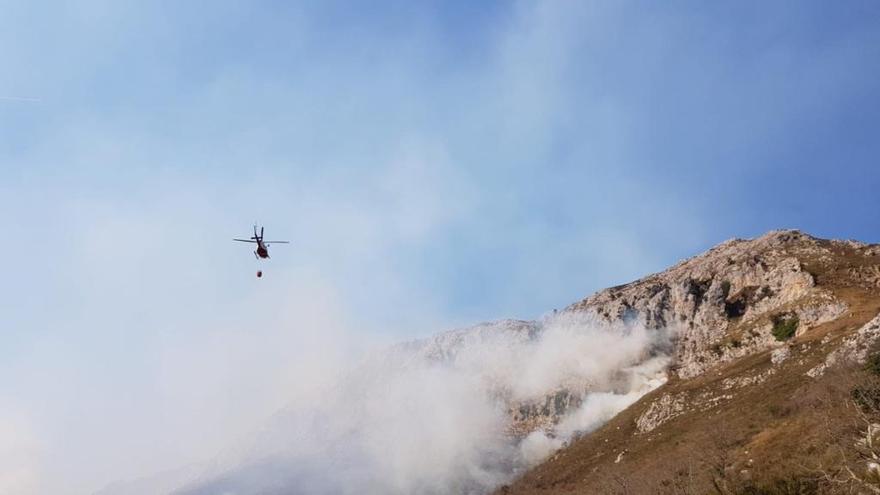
(433, 163)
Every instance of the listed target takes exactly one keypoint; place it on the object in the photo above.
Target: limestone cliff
(715, 308)
(757, 328)
(724, 304)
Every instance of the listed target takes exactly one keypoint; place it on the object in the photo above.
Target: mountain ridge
(701, 378)
(760, 324)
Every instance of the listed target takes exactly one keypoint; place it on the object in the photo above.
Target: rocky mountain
(767, 389)
(740, 370)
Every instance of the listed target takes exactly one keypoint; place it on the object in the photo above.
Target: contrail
(20, 98)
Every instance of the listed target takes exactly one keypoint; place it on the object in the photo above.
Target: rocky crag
(738, 299)
(755, 326)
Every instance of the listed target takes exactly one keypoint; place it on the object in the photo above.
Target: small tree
(785, 326)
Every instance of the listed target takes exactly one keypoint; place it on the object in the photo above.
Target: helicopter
(262, 250)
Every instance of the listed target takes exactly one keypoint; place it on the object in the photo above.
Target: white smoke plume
(434, 416)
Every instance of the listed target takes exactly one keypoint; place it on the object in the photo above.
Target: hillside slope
(766, 392)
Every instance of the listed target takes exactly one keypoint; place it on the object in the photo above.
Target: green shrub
(873, 364)
(866, 397)
(784, 327)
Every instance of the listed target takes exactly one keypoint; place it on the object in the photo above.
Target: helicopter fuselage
(262, 251)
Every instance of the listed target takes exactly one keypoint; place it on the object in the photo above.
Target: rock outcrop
(755, 328)
(724, 304)
(740, 298)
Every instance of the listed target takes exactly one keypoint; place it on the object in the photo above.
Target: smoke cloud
(434, 416)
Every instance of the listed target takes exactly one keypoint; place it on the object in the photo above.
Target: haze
(435, 164)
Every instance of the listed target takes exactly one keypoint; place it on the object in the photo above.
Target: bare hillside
(768, 391)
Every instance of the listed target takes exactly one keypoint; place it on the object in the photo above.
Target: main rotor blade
(276, 242)
(261, 232)
(244, 240)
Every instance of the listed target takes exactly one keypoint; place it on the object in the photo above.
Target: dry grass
(775, 438)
